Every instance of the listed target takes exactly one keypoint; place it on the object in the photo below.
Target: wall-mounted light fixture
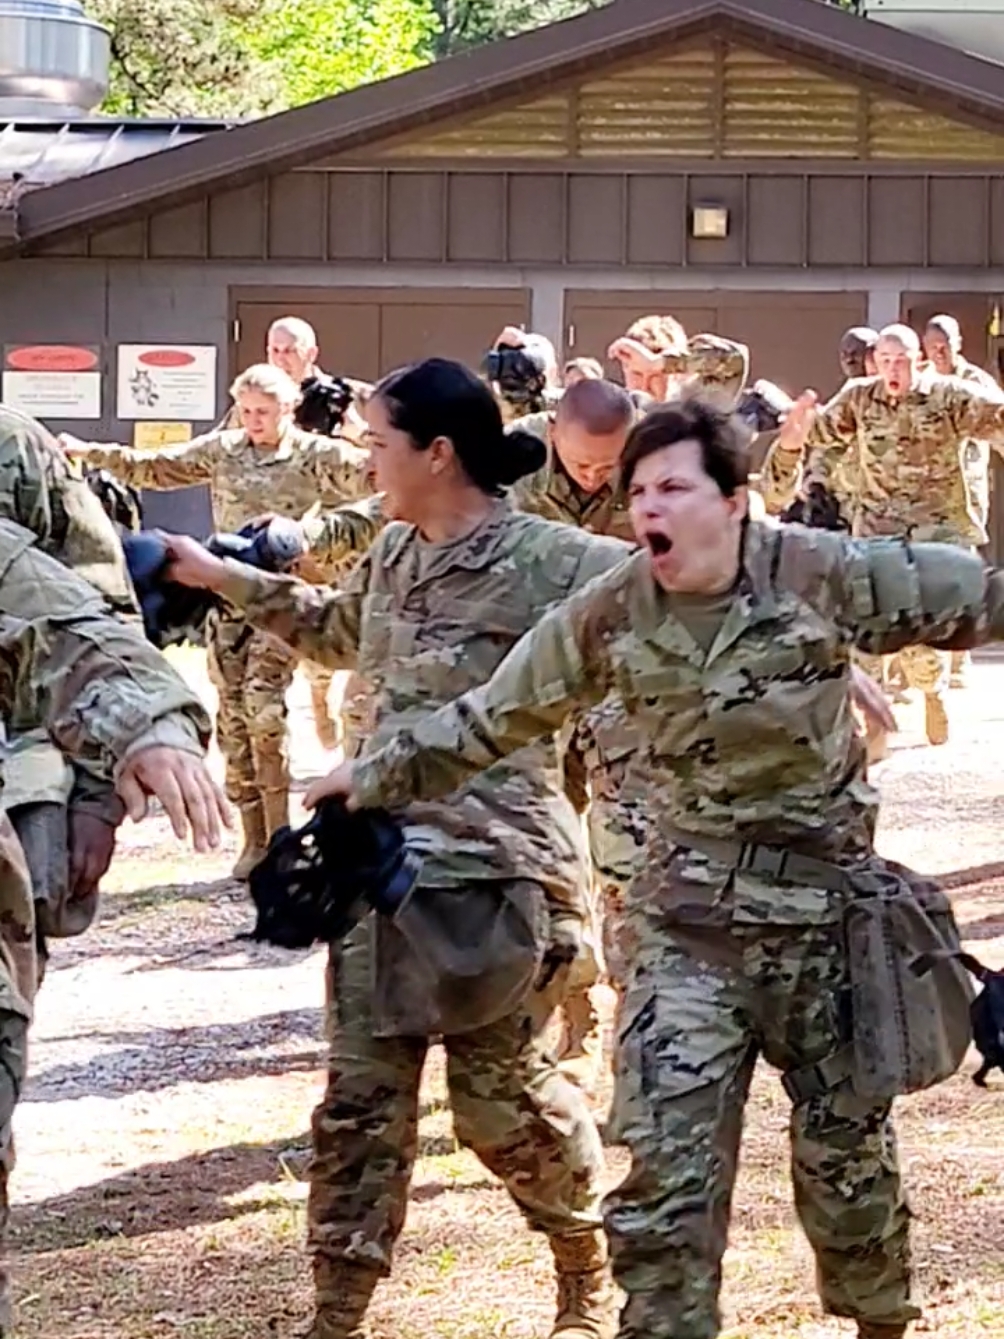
(709, 221)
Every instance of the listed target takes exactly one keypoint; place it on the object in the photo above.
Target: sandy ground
(174, 1069)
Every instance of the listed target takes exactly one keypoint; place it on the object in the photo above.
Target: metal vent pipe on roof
(53, 59)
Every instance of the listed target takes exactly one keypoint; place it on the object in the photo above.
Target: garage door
(366, 332)
(792, 337)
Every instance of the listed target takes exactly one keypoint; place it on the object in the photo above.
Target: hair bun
(520, 454)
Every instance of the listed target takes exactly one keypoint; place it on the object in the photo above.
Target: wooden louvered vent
(665, 109)
(774, 110)
(709, 102)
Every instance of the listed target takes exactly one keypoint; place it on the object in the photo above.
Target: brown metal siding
(602, 216)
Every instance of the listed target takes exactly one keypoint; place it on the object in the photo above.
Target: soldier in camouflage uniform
(856, 352)
(42, 491)
(577, 486)
(453, 581)
(291, 346)
(731, 641)
(112, 703)
(943, 348)
(659, 359)
(268, 466)
(896, 442)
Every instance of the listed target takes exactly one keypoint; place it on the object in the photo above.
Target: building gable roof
(471, 83)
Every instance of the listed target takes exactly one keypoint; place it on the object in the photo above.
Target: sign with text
(151, 436)
(167, 381)
(53, 380)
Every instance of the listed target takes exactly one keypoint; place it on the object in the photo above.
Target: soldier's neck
(454, 515)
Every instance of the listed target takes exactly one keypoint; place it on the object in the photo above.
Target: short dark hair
(600, 407)
(442, 398)
(692, 418)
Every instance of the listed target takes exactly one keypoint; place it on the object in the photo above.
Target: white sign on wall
(167, 381)
(53, 380)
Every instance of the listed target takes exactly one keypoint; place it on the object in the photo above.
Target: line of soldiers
(268, 465)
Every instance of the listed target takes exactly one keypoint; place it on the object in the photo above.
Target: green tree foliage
(238, 58)
(467, 23)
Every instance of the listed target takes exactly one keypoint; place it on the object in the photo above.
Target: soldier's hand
(192, 564)
(635, 357)
(871, 701)
(798, 421)
(181, 782)
(337, 783)
(92, 845)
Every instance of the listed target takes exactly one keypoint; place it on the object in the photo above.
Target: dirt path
(174, 1071)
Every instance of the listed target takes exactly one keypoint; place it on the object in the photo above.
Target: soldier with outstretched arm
(730, 640)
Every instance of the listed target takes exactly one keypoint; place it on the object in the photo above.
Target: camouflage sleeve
(716, 364)
(832, 440)
(978, 412)
(893, 594)
(347, 530)
(559, 667)
(319, 623)
(102, 690)
(342, 474)
(175, 467)
(780, 476)
(537, 424)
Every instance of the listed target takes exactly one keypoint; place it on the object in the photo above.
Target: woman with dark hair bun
(453, 580)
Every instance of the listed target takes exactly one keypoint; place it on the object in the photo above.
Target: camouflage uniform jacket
(717, 365)
(976, 454)
(43, 491)
(102, 690)
(246, 480)
(901, 459)
(424, 623)
(755, 740)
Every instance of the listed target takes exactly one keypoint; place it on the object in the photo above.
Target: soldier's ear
(440, 455)
(739, 503)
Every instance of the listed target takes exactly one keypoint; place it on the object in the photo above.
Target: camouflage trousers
(921, 667)
(251, 673)
(701, 1007)
(617, 836)
(527, 1123)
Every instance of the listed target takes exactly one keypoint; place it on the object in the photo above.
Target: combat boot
(935, 719)
(343, 1292)
(872, 1329)
(255, 839)
(588, 1305)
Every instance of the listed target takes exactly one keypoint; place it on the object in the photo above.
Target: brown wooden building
(550, 180)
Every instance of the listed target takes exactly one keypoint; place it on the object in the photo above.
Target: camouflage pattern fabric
(750, 741)
(337, 539)
(250, 674)
(528, 1125)
(900, 460)
(43, 491)
(695, 1020)
(422, 623)
(720, 367)
(104, 693)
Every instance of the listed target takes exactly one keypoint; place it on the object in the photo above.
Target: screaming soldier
(453, 581)
(896, 441)
(730, 640)
(267, 466)
(108, 699)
